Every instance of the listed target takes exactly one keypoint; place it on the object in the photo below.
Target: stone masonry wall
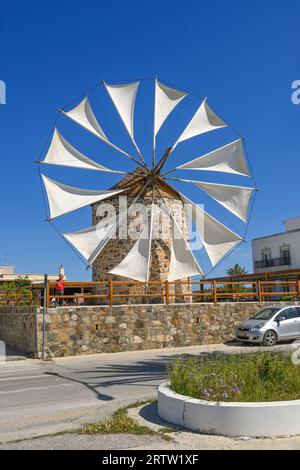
(96, 329)
(18, 328)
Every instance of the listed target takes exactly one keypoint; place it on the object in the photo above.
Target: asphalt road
(39, 398)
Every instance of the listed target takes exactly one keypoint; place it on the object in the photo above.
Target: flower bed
(247, 377)
(245, 395)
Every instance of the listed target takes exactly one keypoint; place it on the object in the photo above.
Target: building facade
(280, 251)
(7, 273)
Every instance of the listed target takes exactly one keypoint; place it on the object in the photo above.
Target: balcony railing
(268, 263)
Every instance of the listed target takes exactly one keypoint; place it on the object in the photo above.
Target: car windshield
(265, 313)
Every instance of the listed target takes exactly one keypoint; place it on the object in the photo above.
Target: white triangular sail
(87, 240)
(166, 99)
(61, 152)
(123, 97)
(64, 199)
(234, 198)
(227, 159)
(204, 120)
(108, 232)
(183, 264)
(83, 115)
(122, 217)
(136, 264)
(216, 237)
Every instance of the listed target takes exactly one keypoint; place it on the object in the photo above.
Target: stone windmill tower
(160, 254)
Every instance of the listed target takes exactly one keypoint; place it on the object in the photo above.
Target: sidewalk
(147, 416)
(13, 354)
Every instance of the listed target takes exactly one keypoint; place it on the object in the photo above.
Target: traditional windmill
(146, 258)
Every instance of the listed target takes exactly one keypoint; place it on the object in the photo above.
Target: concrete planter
(258, 419)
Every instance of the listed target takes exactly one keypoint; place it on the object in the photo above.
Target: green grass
(246, 377)
(121, 423)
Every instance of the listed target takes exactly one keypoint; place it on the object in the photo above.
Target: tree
(236, 270)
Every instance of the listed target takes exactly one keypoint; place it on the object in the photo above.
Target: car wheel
(270, 338)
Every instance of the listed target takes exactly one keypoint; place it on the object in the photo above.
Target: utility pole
(44, 313)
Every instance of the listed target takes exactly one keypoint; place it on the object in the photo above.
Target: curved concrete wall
(228, 418)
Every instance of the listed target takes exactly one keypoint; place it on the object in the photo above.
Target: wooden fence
(126, 292)
(19, 296)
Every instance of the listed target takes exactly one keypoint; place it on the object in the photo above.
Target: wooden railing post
(167, 288)
(230, 288)
(215, 291)
(16, 297)
(47, 295)
(110, 292)
(31, 295)
(259, 291)
(298, 289)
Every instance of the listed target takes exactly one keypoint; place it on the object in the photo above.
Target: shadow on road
(141, 373)
(100, 396)
(149, 413)
(236, 343)
(138, 374)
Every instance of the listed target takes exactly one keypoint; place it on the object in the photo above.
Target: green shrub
(246, 377)
(288, 298)
(17, 292)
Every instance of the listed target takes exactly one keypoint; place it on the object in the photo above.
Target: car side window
(288, 313)
(297, 312)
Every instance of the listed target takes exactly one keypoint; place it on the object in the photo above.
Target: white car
(270, 325)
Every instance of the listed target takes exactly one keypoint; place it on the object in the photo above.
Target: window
(265, 313)
(290, 313)
(285, 252)
(297, 312)
(266, 253)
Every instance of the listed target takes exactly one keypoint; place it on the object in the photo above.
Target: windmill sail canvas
(146, 256)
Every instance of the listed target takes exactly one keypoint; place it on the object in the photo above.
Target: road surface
(39, 398)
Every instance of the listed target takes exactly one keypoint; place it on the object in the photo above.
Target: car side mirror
(280, 318)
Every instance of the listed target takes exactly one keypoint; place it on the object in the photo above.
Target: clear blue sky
(242, 55)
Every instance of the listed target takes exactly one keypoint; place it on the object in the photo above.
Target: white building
(7, 273)
(280, 251)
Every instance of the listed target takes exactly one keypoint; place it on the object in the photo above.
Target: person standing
(60, 287)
